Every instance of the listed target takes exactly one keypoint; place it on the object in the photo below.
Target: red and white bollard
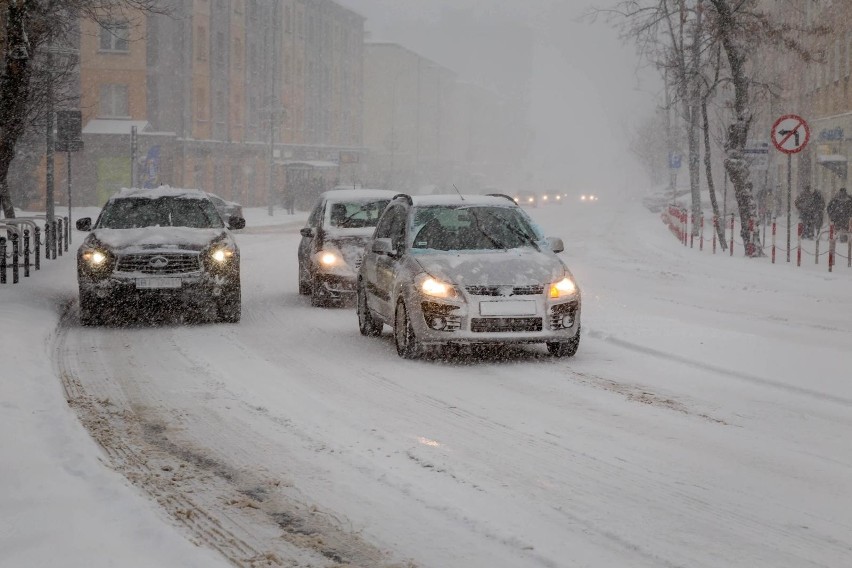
(732, 234)
(701, 234)
(715, 230)
(684, 218)
(816, 247)
(773, 240)
(799, 245)
(831, 245)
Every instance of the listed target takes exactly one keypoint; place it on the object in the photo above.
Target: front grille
(532, 290)
(153, 263)
(481, 325)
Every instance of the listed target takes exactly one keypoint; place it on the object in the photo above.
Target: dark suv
(159, 244)
(472, 269)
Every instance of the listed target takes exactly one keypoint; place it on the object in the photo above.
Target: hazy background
(584, 87)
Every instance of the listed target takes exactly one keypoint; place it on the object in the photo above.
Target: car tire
(407, 345)
(304, 285)
(564, 348)
(90, 313)
(318, 299)
(366, 324)
(229, 307)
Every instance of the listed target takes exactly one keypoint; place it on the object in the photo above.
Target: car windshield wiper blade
(497, 243)
(516, 231)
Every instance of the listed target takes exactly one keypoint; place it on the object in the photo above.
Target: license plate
(158, 283)
(508, 308)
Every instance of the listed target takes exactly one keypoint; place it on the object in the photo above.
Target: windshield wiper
(495, 242)
(525, 237)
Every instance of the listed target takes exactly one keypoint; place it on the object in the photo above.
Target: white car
(451, 269)
(333, 241)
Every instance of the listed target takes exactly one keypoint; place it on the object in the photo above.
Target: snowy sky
(587, 89)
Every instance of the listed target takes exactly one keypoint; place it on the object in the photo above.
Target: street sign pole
(790, 134)
(789, 197)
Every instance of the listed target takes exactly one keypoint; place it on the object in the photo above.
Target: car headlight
(562, 288)
(331, 261)
(329, 258)
(94, 257)
(222, 254)
(436, 288)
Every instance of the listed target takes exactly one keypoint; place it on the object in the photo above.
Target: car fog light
(567, 320)
(438, 323)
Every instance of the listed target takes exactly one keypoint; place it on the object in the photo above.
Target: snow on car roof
(357, 194)
(162, 191)
(455, 199)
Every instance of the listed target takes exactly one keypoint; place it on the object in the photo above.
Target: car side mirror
(556, 244)
(382, 246)
(84, 224)
(306, 232)
(235, 223)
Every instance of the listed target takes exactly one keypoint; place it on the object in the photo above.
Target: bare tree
(739, 28)
(29, 31)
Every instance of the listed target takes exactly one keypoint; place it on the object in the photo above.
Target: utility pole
(50, 143)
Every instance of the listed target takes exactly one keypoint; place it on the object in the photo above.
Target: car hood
(352, 247)
(147, 238)
(516, 267)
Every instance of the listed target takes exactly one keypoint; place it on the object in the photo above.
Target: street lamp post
(50, 141)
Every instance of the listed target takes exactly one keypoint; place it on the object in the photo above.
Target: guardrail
(20, 232)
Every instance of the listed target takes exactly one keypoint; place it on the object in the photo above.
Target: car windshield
(355, 214)
(471, 228)
(132, 213)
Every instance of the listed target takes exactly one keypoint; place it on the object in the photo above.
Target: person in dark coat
(839, 213)
(810, 205)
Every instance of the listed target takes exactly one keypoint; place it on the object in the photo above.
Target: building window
(201, 44)
(115, 36)
(114, 101)
(220, 48)
(200, 104)
(238, 53)
(848, 52)
(837, 59)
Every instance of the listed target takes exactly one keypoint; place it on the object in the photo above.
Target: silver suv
(472, 269)
(159, 244)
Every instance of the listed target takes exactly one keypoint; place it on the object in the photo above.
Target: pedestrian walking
(810, 205)
(840, 212)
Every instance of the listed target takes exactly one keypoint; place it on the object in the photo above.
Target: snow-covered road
(704, 422)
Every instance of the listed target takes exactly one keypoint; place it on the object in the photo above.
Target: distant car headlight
(582, 198)
(436, 288)
(562, 288)
(544, 198)
(529, 199)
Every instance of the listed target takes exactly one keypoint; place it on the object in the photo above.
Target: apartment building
(238, 97)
